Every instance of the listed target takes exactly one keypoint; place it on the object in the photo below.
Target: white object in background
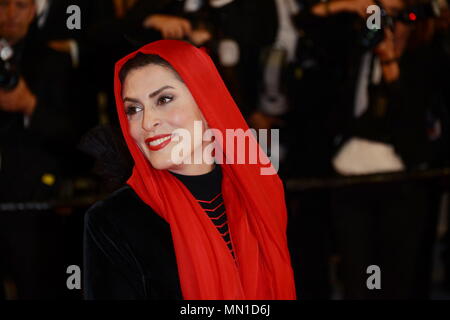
(287, 35)
(377, 72)
(361, 102)
(74, 53)
(26, 121)
(42, 9)
(272, 101)
(228, 52)
(192, 5)
(360, 156)
(362, 92)
(41, 5)
(219, 3)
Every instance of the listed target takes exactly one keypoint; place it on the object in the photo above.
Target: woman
(158, 237)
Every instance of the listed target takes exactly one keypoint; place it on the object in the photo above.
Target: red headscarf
(254, 203)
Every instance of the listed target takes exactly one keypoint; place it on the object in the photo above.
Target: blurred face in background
(393, 6)
(15, 19)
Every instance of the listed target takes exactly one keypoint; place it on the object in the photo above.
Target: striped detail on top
(215, 209)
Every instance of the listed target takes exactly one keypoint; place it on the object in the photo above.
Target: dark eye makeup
(164, 99)
(131, 110)
(160, 101)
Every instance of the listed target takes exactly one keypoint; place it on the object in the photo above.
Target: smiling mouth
(158, 144)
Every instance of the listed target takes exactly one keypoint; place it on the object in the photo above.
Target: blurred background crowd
(363, 116)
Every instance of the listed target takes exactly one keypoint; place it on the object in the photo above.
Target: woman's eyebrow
(131, 100)
(154, 94)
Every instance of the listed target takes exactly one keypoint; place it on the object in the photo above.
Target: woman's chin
(159, 166)
(163, 165)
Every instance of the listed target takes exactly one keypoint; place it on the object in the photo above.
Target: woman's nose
(150, 120)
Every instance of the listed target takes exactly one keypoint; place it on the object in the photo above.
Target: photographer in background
(36, 130)
(384, 95)
(173, 19)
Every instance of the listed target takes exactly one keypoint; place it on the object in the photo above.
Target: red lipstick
(158, 142)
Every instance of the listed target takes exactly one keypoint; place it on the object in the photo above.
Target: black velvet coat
(129, 252)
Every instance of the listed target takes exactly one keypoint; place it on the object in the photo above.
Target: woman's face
(157, 103)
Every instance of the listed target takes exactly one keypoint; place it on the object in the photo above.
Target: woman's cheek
(179, 119)
(135, 131)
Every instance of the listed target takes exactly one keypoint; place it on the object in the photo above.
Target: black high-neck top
(207, 190)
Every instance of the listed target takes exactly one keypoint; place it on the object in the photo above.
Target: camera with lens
(371, 37)
(9, 76)
(420, 11)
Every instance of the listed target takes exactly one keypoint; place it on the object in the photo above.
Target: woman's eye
(164, 99)
(131, 110)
